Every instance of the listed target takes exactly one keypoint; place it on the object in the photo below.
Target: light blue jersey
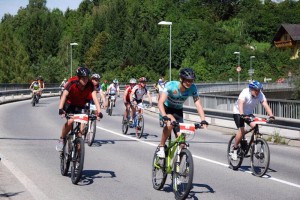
(175, 97)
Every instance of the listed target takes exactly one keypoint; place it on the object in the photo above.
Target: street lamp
(238, 68)
(251, 71)
(168, 24)
(72, 44)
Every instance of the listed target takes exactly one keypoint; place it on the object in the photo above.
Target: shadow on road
(88, 176)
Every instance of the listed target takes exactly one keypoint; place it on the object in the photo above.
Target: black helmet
(82, 71)
(187, 73)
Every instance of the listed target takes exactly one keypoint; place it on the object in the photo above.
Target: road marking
(202, 158)
(35, 192)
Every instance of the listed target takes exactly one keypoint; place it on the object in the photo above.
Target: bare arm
(267, 108)
(199, 108)
(161, 106)
(63, 99)
(96, 102)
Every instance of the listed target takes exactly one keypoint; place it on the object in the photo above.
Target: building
(288, 36)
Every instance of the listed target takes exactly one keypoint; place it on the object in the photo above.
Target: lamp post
(238, 68)
(251, 70)
(72, 44)
(168, 24)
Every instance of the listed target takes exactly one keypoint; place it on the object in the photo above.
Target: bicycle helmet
(142, 79)
(82, 71)
(187, 73)
(65, 79)
(255, 85)
(95, 76)
(132, 81)
(115, 81)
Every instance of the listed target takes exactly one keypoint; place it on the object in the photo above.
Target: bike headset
(186, 73)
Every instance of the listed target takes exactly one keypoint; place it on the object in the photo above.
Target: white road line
(35, 192)
(201, 158)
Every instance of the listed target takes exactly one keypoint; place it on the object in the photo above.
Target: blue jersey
(175, 97)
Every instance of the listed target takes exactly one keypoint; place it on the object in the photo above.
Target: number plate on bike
(93, 107)
(81, 118)
(187, 128)
(112, 97)
(258, 120)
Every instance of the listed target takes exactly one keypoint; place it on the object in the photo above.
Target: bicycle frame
(255, 132)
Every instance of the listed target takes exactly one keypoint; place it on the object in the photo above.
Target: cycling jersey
(76, 96)
(139, 92)
(249, 101)
(175, 97)
(104, 87)
(35, 85)
(112, 89)
(128, 90)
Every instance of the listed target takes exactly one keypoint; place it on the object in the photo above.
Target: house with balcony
(288, 37)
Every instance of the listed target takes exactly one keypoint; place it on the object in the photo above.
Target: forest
(122, 39)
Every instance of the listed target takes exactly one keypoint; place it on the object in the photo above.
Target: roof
(292, 29)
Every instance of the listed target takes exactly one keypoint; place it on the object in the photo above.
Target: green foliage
(122, 38)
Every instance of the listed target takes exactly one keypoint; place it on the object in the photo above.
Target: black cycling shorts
(68, 108)
(240, 122)
(177, 114)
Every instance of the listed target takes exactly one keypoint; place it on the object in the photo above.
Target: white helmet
(96, 76)
(132, 81)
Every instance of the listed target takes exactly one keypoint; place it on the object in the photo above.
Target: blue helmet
(255, 85)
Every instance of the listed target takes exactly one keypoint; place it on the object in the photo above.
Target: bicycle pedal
(247, 156)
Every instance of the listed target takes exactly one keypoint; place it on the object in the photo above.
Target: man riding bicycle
(35, 87)
(103, 90)
(126, 97)
(244, 106)
(113, 89)
(137, 94)
(74, 98)
(171, 101)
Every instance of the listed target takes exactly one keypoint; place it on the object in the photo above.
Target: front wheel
(235, 164)
(65, 158)
(110, 108)
(124, 125)
(260, 157)
(159, 174)
(77, 160)
(139, 126)
(33, 100)
(182, 179)
(92, 133)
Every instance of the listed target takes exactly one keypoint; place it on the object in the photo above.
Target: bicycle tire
(33, 101)
(184, 171)
(92, 133)
(124, 126)
(159, 174)
(77, 161)
(65, 158)
(110, 109)
(139, 126)
(260, 152)
(234, 164)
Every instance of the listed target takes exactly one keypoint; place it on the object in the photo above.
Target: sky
(12, 6)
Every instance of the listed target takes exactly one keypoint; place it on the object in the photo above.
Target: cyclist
(62, 86)
(95, 80)
(41, 85)
(137, 95)
(113, 89)
(34, 87)
(126, 97)
(77, 91)
(103, 90)
(160, 85)
(171, 101)
(244, 106)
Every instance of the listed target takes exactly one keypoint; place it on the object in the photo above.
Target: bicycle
(90, 128)
(35, 97)
(258, 147)
(178, 162)
(111, 103)
(73, 149)
(138, 120)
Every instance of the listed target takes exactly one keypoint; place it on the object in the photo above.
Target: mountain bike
(138, 120)
(89, 131)
(111, 102)
(73, 149)
(257, 146)
(178, 162)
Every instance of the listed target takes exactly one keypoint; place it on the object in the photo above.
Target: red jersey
(128, 90)
(76, 96)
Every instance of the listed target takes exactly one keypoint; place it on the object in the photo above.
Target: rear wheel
(139, 126)
(235, 164)
(159, 174)
(77, 160)
(92, 133)
(260, 157)
(182, 179)
(65, 158)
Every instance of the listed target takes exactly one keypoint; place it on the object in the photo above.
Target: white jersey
(138, 92)
(249, 101)
(112, 89)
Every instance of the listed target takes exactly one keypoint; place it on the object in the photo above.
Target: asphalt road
(118, 166)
